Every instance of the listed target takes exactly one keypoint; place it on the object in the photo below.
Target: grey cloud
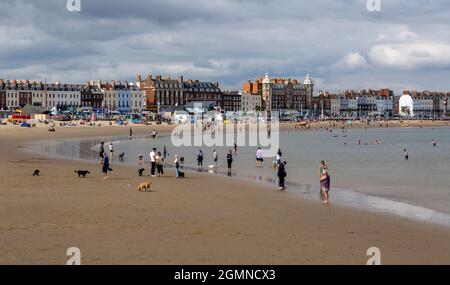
(226, 40)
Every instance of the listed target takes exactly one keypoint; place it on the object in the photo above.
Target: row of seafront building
(155, 93)
(283, 95)
(384, 103)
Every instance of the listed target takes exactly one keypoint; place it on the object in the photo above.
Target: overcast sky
(339, 42)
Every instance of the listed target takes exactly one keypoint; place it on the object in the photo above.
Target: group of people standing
(324, 175)
(215, 157)
(157, 159)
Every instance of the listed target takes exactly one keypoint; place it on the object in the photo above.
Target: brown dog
(144, 187)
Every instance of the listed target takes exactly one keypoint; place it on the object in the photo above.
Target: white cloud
(411, 55)
(351, 61)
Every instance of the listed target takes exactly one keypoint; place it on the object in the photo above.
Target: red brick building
(162, 91)
(177, 92)
(282, 93)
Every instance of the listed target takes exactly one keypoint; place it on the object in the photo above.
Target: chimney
(158, 77)
(149, 77)
(113, 83)
(138, 78)
(180, 79)
(125, 83)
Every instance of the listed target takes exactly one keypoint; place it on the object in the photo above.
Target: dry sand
(199, 220)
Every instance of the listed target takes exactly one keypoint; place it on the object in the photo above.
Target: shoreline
(343, 197)
(201, 220)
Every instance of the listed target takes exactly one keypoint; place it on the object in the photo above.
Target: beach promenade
(200, 220)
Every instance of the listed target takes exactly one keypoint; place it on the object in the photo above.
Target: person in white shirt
(259, 157)
(111, 151)
(153, 162)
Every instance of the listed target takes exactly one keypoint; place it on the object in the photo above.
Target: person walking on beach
(105, 167)
(102, 151)
(322, 168)
(230, 159)
(282, 175)
(235, 148)
(153, 162)
(111, 151)
(164, 152)
(131, 133)
(159, 160)
(215, 157)
(200, 158)
(434, 143)
(279, 155)
(406, 154)
(259, 157)
(154, 134)
(325, 186)
(176, 164)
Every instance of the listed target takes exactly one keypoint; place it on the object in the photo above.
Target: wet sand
(200, 220)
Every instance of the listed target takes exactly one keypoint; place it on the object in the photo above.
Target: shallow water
(373, 177)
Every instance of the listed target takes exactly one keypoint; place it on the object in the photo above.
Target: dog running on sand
(82, 173)
(121, 156)
(36, 172)
(141, 171)
(144, 187)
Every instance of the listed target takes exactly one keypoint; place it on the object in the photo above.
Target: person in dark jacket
(282, 175)
(200, 158)
(230, 159)
(105, 166)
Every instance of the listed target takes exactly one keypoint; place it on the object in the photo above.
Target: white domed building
(406, 106)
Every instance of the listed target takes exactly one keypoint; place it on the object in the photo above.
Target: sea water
(364, 174)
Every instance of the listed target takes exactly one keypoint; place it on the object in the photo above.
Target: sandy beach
(200, 220)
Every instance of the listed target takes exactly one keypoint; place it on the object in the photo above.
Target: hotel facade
(280, 94)
(162, 92)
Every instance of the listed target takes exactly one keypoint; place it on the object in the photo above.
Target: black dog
(141, 171)
(121, 156)
(82, 173)
(36, 172)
